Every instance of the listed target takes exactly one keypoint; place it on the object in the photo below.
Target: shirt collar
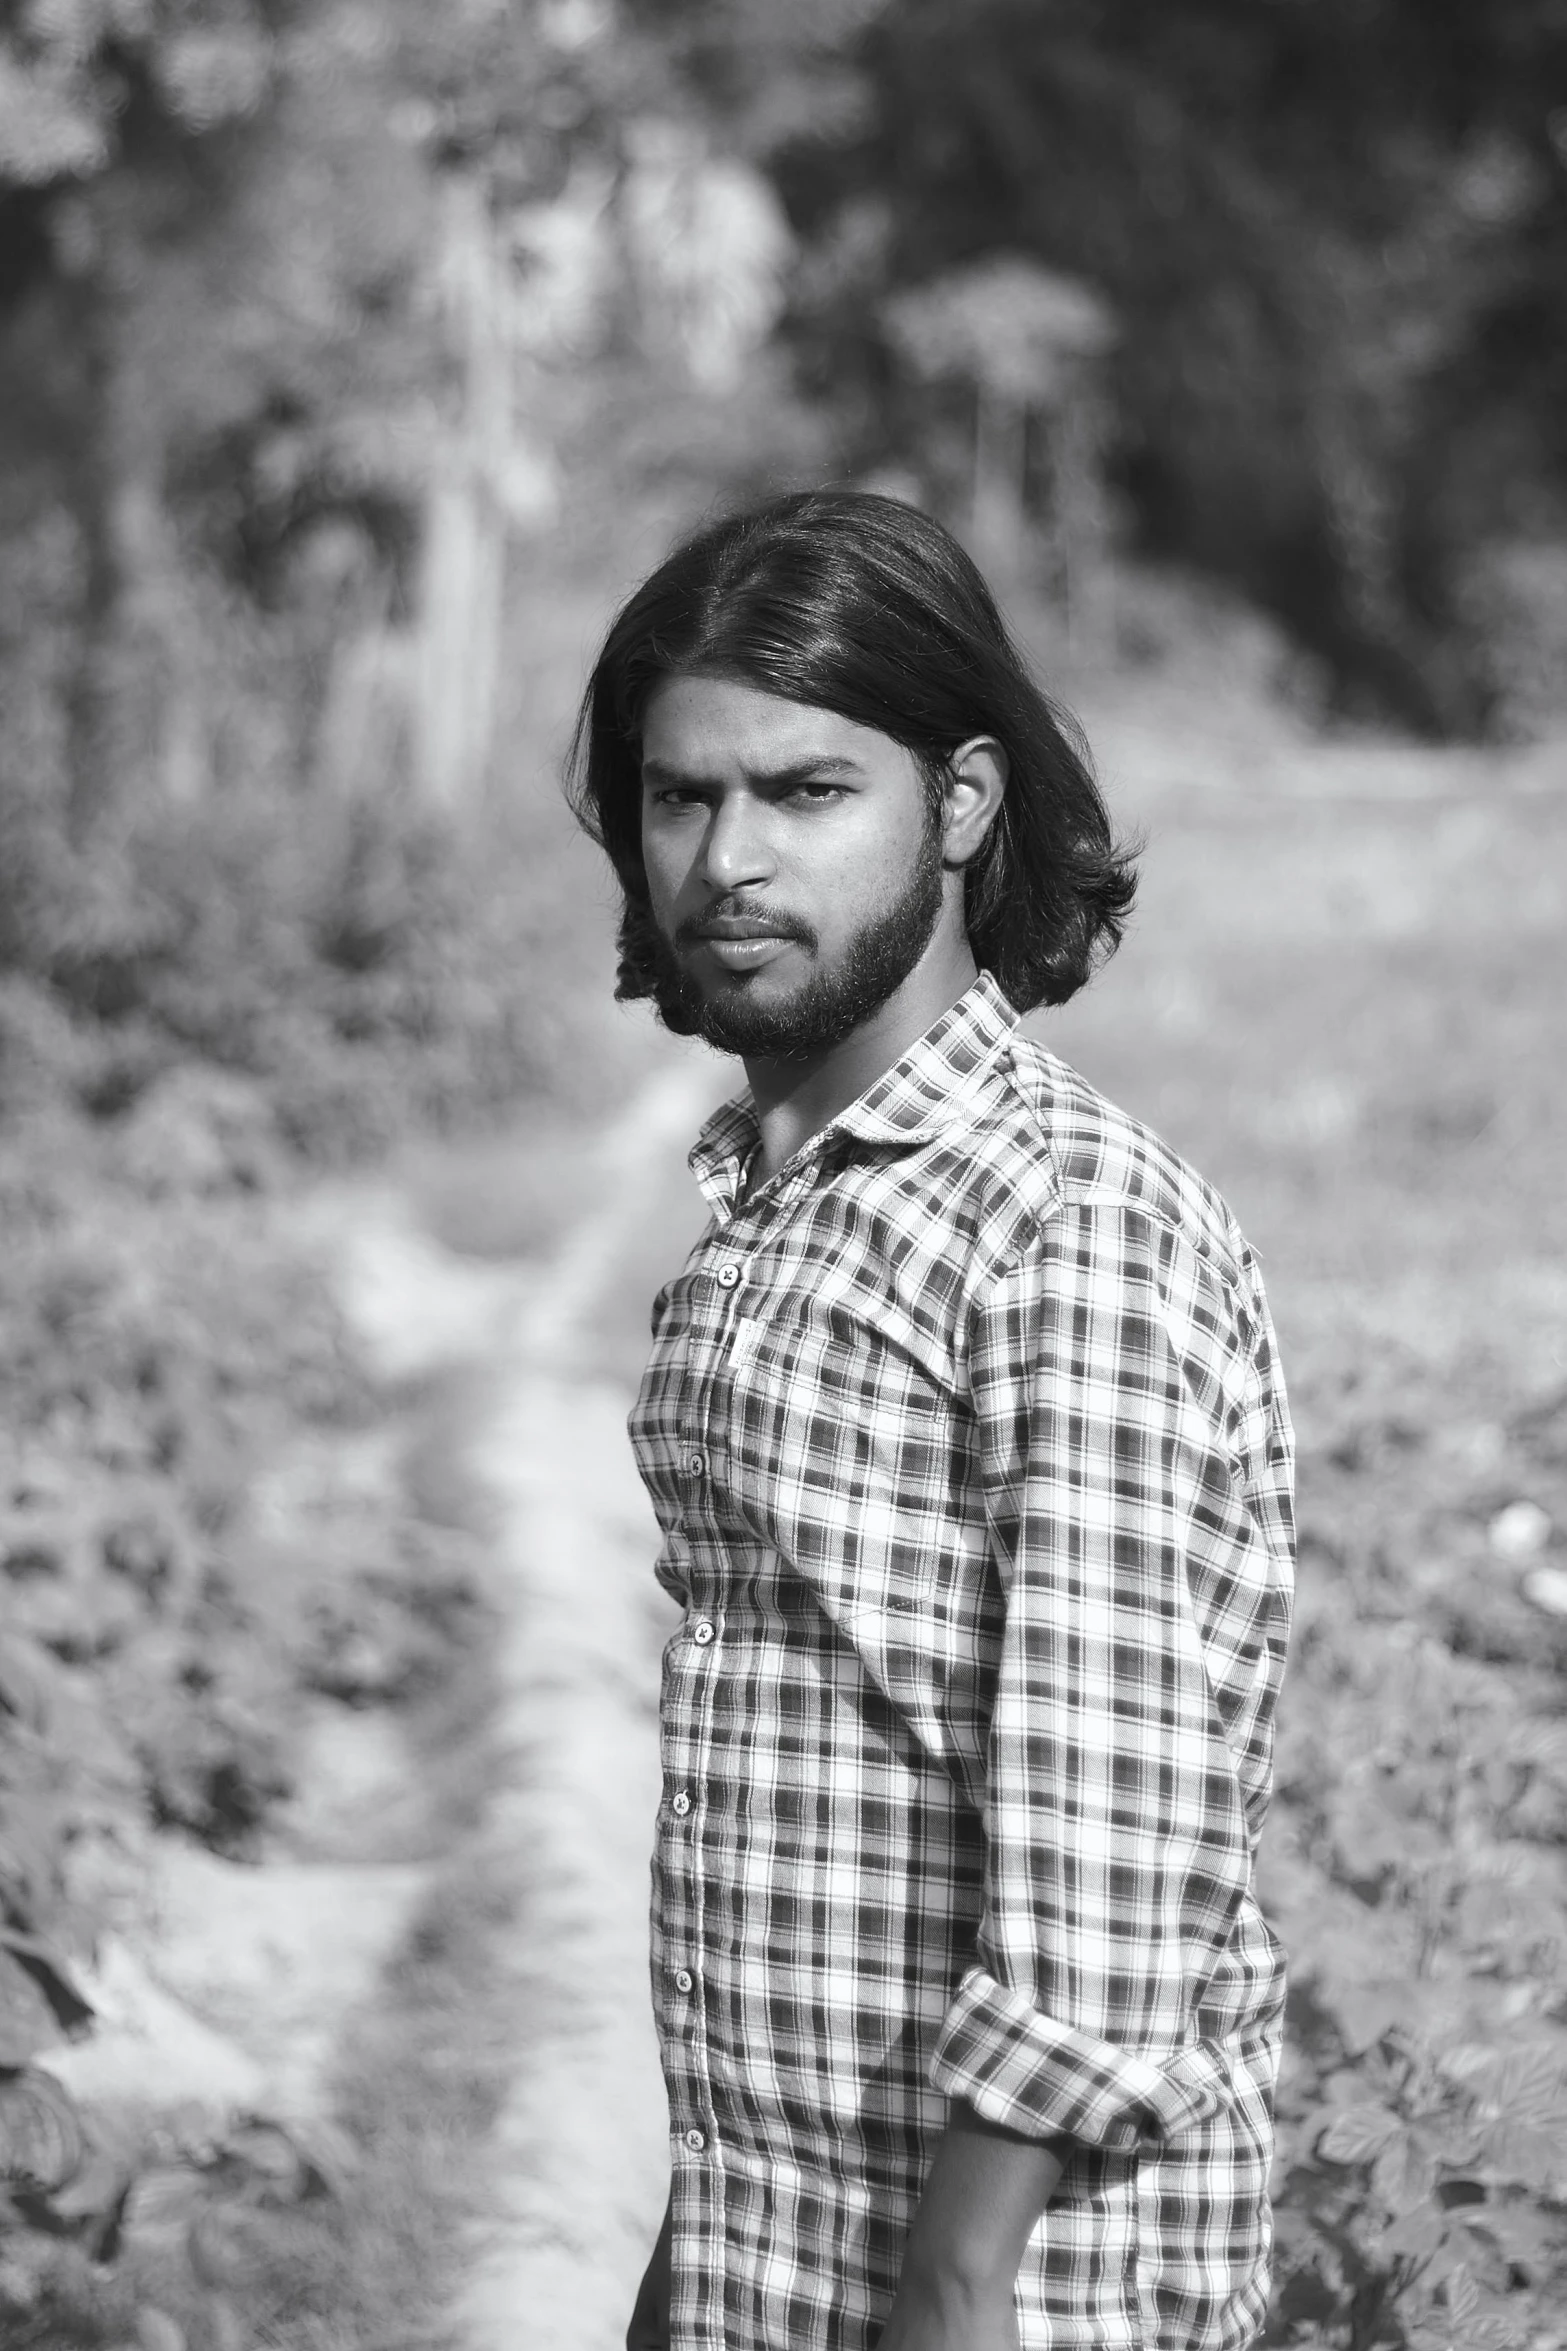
(919, 1098)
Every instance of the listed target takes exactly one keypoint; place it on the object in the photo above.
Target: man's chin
(759, 1024)
(754, 1014)
(727, 1013)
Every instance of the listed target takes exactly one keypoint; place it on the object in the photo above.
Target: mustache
(772, 920)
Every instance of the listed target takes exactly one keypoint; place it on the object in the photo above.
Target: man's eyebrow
(796, 771)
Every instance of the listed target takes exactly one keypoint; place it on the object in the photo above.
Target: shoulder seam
(1227, 1266)
(1224, 1248)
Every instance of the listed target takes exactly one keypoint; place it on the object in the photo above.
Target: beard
(826, 1008)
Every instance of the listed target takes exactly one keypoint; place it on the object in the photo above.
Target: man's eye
(817, 792)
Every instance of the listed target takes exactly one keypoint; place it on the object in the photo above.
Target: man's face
(793, 861)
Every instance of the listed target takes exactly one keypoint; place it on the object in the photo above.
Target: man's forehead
(692, 723)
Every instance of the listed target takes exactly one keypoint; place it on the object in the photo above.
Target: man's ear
(974, 787)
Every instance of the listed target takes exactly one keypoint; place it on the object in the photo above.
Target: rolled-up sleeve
(1135, 1456)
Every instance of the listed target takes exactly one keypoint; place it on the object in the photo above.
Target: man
(966, 1437)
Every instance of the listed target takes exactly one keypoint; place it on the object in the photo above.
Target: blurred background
(354, 360)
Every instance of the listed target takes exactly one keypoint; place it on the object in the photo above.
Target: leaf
(95, 2192)
(50, 1971)
(226, 2243)
(228, 2334)
(1530, 2087)
(26, 2021)
(1524, 2234)
(261, 2161)
(1365, 2011)
(1418, 2232)
(156, 2331)
(1468, 2061)
(1528, 2153)
(1402, 2174)
(1358, 2134)
(42, 2143)
(103, 2235)
(330, 2156)
(26, 1683)
(1540, 1742)
(285, 2162)
(1463, 2294)
(91, 2188)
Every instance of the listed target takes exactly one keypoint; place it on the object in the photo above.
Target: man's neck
(796, 1099)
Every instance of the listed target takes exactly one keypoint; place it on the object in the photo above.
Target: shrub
(1417, 1869)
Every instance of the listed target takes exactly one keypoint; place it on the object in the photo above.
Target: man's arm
(987, 2188)
(1133, 1460)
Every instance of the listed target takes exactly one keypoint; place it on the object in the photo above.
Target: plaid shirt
(966, 1436)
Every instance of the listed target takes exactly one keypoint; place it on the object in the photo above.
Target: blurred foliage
(1334, 236)
(225, 948)
(189, 1566)
(1417, 1872)
(228, 360)
(364, 964)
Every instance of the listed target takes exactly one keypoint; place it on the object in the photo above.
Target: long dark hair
(863, 606)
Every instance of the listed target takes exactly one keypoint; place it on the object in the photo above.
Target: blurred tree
(196, 343)
(1027, 342)
(1335, 233)
(274, 302)
(306, 309)
(87, 93)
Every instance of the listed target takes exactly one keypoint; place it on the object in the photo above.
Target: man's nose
(735, 848)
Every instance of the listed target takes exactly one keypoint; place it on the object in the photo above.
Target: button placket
(696, 1437)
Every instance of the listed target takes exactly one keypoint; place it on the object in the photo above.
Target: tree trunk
(1082, 523)
(134, 718)
(91, 491)
(463, 570)
(996, 511)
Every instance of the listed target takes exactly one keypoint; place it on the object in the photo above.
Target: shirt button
(702, 1632)
(695, 2141)
(680, 1804)
(728, 1276)
(684, 1979)
(696, 1463)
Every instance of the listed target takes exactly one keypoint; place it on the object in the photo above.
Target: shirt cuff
(1029, 2074)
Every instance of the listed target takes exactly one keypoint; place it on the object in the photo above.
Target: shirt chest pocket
(838, 1443)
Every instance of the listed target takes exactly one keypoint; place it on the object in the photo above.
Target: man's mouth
(734, 926)
(738, 941)
(743, 951)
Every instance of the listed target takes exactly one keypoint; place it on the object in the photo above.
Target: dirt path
(581, 2153)
(578, 2166)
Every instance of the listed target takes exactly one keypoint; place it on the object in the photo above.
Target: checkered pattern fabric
(971, 1456)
